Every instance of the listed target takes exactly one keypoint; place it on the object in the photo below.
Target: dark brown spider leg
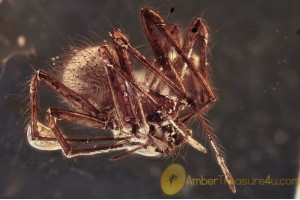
(121, 93)
(114, 86)
(137, 109)
(176, 34)
(33, 107)
(70, 151)
(133, 96)
(84, 120)
(160, 24)
(162, 59)
(197, 30)
(37, 131)
(80, 118)
(71, 96)
(119, 101)
(40, 136)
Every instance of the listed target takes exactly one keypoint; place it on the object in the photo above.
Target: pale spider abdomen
(84, 73)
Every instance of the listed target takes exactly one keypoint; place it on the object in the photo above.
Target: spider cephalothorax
(148, 108)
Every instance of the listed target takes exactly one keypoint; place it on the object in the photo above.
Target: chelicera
(148, 109)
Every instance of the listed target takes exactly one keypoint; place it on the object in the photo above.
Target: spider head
(174, 139)
(165, 138)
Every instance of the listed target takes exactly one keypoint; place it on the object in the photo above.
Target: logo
(173, 179)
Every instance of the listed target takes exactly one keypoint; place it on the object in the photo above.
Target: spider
(148, 109)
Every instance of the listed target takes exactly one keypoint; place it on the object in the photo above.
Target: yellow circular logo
(173, 179)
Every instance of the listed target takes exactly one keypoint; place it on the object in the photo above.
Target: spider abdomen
(84, 73)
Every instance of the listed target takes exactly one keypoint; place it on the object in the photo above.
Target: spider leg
(123, 99)
(39, 135)
(177, 35)
(80, 118)
(90, 122)
(72, 97)
(155, 19)
(197, 30)
(70, 151)
(162, 59)
(116, 89)
(133, 97)
(77, 118)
